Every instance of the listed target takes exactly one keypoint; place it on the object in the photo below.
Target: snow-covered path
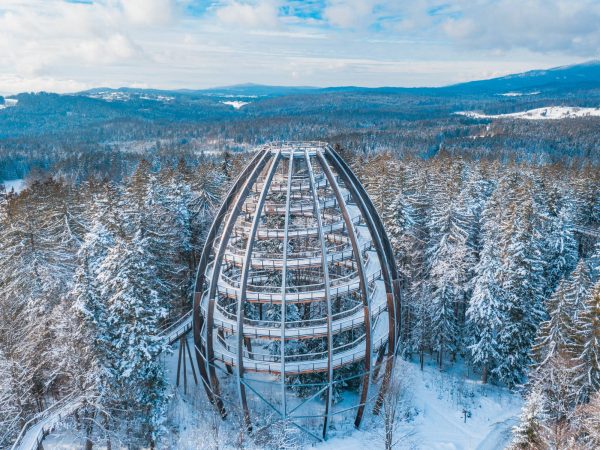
(440, 398)
(499, 436)
(46, 422)
(33, 436)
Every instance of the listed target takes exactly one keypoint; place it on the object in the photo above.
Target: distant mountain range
(54, 114)
(573, 77)
(580, 76)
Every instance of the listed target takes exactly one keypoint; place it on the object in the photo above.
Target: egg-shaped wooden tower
(296, 312)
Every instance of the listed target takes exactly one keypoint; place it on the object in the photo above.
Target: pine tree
(557, 334)
(381, 179)
(87, 288)
(10, 410)
(559, 250)
(578, 286)
(484, 317)
(530, 433)
(586, 188)
(450, 260)
(522, 283)
(37, 262)
(587, 356)
(420, 336)
(91, 313)
(403, 233)
(554, 334)
(416, 309)
(134, 377)
(207, 186)
(586, 422)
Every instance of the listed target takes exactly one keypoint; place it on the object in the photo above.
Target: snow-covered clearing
(237, 104)
(110, 96)
(518, 94)
(120, 96)
(546, 113)
(437, 399)
(18, 185)
(9, 102)
(440, 399)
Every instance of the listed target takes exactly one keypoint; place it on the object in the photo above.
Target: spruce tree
(10, 408)
(484, 317)
(587, 348)
(521, 280)
(559, 250)
(530, 433)
(450, 260)
(134, 377)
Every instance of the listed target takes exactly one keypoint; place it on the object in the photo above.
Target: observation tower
(296, 307)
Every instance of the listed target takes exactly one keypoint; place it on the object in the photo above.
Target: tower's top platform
(297, 148)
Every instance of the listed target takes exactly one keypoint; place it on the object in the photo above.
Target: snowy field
(9, 102)
(18, 185)
(439, 400)
(547, 113)
(119, 96)
(436, 402)
(519, 94)
(237, 104)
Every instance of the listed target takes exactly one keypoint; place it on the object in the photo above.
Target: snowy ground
(237, 104)
(18, 185)
(518, 94)
(437, 401)
(9, 102)
(547, 113)
(113, 96)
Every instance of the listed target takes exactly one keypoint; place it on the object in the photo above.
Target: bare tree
(396, 408)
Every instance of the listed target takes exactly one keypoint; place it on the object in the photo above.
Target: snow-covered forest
(496, 276)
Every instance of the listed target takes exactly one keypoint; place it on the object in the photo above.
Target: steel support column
(363, 284)
(325, 265)
(243, 286)
(286, 228)
(386, 260)
(197, 318)
(216, 271)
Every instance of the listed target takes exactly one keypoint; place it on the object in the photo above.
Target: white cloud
(260, 14)
(110, 49)
(149, 12)
(58, 45)
(41, 38)
(13, 84)
(567, 26)
(350, 13)
(39, 35)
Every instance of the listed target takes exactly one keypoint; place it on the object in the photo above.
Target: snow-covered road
(499, 436)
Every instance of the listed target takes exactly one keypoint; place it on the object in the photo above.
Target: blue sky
(65, 46)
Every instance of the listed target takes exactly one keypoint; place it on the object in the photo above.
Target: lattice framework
(296, 293)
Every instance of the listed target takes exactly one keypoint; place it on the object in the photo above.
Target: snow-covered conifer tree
(484, 317)
(10, 409)
(557, 334)
(134, 378)
(559, 249)
(587, 348)
(530, 433)
(449, 261)
(521, 281)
